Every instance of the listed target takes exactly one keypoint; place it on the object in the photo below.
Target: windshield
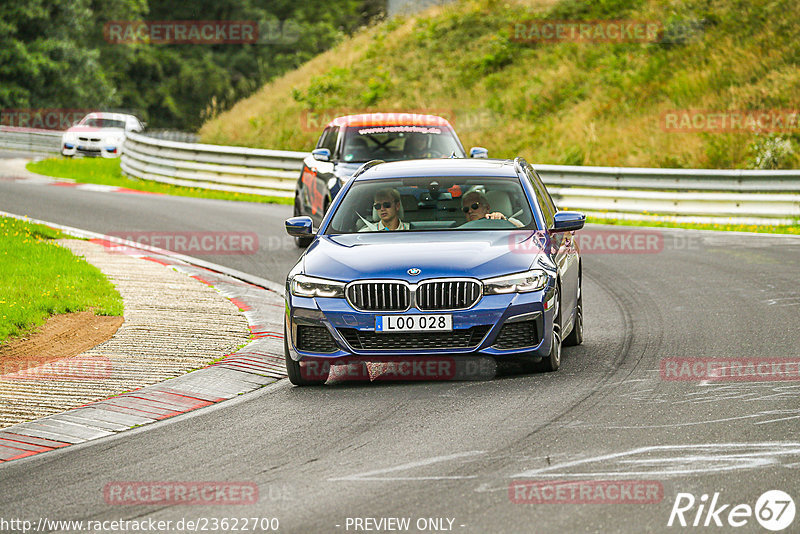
(103, 123)
(392, 143)
(433, 204)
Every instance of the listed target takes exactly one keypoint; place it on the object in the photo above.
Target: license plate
(414, 323)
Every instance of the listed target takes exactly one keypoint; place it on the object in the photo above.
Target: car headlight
(516, 283)
(308, 286)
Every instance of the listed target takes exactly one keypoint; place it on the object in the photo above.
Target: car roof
(440, 167)
(390, 119)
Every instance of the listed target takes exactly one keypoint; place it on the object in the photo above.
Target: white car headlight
(308, 286)
(516, 283)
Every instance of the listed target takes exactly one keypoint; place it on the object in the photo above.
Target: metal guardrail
(683, 195)
(691, 195)
(28, 140)
(696, 195)
(238, 169)
(173, 135)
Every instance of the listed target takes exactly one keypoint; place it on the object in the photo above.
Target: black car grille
(430, 296)
(465, 338)
(379, 296)
(315, 339)
(517, 336)
(448, 295)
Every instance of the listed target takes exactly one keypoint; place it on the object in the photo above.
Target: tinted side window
(329, 141)
(321, 142)
(542, 197)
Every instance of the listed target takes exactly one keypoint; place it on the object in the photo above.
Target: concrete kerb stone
(258, 363)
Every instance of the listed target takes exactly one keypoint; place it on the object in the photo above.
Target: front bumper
(476, 331)
(72, 148)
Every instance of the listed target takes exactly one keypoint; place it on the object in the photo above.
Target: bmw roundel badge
(414, 271)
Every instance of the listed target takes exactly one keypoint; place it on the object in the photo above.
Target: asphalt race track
(324, 457)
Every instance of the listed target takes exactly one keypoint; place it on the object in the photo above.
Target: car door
(565, 253)
(313, 196)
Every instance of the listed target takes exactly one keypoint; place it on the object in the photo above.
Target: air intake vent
(519, 335)
(466, 338)
(315, 339)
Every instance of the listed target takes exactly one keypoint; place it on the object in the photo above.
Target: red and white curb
(250, 368)
(98, 188)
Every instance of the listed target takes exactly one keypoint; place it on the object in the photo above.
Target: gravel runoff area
(178, 317)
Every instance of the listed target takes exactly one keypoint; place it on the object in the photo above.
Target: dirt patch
(62, 336)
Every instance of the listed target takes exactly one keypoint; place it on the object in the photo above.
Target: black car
(350, 141)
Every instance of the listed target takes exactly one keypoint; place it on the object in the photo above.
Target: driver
(476, 206)
(416, 146)
(387, 205)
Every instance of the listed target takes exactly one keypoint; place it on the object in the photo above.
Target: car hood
(477, 254)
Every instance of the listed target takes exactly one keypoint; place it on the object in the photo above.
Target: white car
(99, 134)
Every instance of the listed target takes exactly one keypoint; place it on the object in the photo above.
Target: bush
(772, 152)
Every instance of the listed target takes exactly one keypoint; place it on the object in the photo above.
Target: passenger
(387, 205)
(476, 206)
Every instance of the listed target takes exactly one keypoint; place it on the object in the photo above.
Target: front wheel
(575, 337)
(552, 361)
(301, 242)
(293, 369)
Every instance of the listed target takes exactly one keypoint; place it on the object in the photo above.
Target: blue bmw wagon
(425, 259)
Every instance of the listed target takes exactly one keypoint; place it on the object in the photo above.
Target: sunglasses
(379, 205)
(473, 207)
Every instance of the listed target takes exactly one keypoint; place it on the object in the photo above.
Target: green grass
(106, 171)
(38, 279)
(766, 229)
(589, 103)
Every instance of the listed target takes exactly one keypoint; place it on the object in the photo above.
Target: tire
(552, 361)
(575, 337)
(301, 242)
(293, 368)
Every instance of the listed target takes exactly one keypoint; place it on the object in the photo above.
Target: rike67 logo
(774, 510)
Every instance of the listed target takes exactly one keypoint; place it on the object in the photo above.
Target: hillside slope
(586, 103)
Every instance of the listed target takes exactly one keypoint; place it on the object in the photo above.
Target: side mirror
(478, 152)
(299, 226)
(567, 221)
(321, 154)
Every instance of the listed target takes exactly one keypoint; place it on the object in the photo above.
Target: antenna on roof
(519, 165)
